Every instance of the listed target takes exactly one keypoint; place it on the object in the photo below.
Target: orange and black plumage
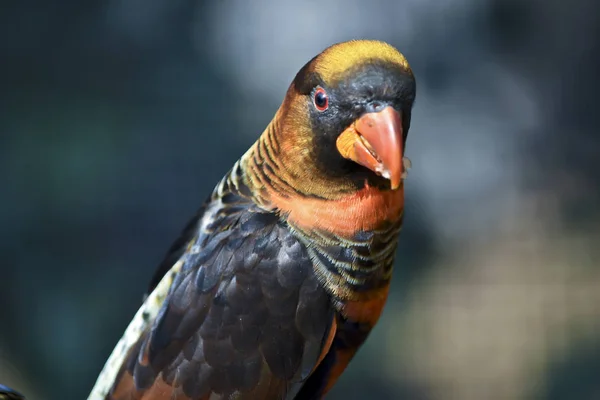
(285, 269)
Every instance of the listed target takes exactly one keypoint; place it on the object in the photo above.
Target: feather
(275, 283)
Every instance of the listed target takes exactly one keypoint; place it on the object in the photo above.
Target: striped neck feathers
(282, 177)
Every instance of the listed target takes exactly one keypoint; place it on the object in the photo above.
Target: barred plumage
(280, 276)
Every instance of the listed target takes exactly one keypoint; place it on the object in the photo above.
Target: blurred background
(118, 117)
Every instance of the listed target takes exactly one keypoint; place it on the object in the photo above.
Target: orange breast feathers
(367, 209)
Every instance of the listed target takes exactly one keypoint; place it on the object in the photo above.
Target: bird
(7, 393)
(278, 279)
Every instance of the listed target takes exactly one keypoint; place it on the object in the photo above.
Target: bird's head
(345, 119)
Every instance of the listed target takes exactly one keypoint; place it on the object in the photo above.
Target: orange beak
(375, 141)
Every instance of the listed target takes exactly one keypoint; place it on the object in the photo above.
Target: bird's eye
(320, 99)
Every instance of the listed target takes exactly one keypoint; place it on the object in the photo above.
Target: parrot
(7, 393)
(280, 276)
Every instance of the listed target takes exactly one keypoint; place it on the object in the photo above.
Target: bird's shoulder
(244, 316)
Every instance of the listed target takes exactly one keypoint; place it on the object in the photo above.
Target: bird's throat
(281, 180)
(369, 209)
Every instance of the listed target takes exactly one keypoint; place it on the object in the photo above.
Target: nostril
(375, 106)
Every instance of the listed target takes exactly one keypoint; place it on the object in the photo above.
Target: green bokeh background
(109, 142)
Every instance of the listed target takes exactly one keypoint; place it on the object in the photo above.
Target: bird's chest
(364, 311)
(356, 273)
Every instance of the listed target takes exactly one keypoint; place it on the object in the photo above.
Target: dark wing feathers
(245, 318)
(7, 393)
